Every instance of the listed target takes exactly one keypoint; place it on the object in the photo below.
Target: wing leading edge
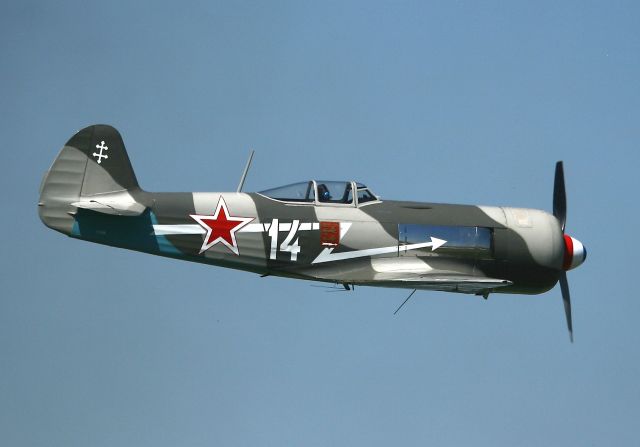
(409, 273)
(449, 283)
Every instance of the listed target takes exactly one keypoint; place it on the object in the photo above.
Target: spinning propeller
(574, 252)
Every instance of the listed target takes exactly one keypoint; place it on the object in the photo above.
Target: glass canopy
(326, 191)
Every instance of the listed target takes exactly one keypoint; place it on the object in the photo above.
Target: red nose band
(568, 253)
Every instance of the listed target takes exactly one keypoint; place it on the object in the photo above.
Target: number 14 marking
(288, 245)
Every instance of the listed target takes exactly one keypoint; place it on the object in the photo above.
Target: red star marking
(221, 227)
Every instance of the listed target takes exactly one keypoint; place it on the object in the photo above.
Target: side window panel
(334, 192)
(474, 242)
(296, 192)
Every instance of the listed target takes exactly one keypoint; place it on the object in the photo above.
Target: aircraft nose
(575, 253)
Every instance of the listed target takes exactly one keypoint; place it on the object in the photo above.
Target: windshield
(364, 195)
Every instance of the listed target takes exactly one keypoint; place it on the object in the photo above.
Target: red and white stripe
(574, 253)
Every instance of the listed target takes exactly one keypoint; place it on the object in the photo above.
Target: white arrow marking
(327, 256)
(167, 230)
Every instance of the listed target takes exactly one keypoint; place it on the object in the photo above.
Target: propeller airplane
(330, 231)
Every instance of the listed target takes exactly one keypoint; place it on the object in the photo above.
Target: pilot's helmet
(323, 192)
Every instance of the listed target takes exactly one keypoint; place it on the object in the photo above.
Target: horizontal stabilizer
(118, 204)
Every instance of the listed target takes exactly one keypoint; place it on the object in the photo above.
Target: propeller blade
(560, 196)
(566, 298)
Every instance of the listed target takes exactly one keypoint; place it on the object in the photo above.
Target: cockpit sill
(323, 193)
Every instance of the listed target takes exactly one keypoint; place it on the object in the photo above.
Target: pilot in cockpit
(323, 193)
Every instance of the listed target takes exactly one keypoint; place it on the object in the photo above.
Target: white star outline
(221, 205)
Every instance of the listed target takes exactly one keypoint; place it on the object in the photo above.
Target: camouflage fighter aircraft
(330, 231)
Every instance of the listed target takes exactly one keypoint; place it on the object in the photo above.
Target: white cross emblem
(100, 156)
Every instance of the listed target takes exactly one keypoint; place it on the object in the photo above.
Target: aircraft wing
(409, 273)
(447, 282)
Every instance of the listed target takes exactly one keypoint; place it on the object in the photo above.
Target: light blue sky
(468, 102)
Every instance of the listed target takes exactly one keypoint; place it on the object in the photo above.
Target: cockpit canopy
(321, 192)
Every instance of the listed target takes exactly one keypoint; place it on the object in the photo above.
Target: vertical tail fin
(91, 171)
